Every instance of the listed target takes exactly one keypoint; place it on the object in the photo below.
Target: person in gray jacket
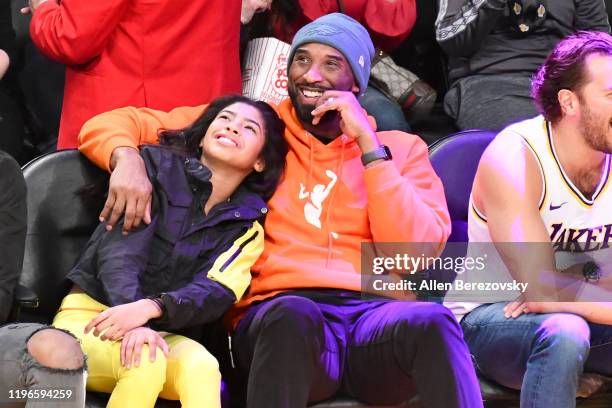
(495, 47)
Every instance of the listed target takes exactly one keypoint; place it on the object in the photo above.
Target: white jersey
(579, 227)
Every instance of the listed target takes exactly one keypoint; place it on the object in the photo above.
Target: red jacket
(153, 53)
(388, 23)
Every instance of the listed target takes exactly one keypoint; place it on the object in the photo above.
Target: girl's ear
(259, 165)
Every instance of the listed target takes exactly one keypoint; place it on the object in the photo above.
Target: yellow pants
(189, 373)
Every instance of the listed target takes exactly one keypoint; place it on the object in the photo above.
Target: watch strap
(380, 153)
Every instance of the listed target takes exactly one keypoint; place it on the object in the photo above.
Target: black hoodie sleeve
(591, 15)
(462, 25)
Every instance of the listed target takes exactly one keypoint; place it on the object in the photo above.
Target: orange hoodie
(326, 205)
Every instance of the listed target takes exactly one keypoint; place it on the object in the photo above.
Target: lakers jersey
(579, 227)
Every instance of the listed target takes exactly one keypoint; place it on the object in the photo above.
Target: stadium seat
(455, 159)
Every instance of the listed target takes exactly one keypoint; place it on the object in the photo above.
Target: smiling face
(235, 138)
(595, 101)
(317, 68)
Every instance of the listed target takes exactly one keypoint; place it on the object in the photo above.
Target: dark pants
(13, 222)
(12, 131)
(307, 346)
(490, 102)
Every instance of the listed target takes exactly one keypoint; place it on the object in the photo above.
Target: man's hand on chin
(353, 120)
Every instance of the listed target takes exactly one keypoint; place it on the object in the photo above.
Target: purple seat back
(455, 160)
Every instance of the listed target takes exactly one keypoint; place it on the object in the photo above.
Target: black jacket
(477, 36)
(199, 265)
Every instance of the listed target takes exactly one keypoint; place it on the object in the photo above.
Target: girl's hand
(118, 320)
(133, 340)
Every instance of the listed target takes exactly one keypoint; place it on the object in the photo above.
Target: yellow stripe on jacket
(232, 268)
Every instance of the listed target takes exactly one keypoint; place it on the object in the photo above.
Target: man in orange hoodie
(304, 331)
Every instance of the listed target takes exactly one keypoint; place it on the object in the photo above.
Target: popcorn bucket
(264, 76)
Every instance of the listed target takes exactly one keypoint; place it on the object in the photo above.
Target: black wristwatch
(591, 272)
(381, 153)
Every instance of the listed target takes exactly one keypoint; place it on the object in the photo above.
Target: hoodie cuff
(381, 177)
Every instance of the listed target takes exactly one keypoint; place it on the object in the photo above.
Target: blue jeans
(543, 355)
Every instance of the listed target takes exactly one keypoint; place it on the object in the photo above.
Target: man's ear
(568, 101)
(259, 166)
(355, 89)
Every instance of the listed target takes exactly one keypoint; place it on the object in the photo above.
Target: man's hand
(545, 307)
(252, 7)
(129, 191)
(353, 121)
(518, 307)
(33, 5)
(515, 309)
(133, 340)
(118, 320)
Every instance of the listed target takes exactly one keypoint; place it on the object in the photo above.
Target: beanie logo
(324, 30)
(361, 61)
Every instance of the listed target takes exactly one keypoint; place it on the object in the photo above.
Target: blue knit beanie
(344, 34)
